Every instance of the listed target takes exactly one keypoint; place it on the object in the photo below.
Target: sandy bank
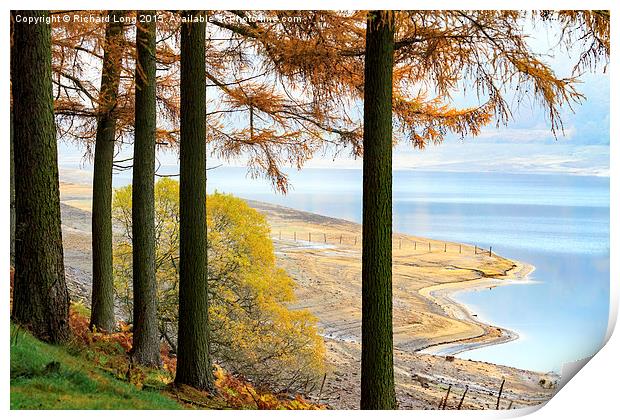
(443, 296)
(324, 256)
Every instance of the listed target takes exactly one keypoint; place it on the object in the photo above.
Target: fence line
(398, 242)
(443, 402)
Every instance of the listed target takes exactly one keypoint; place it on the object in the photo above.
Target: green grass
(50, 377)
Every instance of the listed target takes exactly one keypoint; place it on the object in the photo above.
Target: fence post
(490, 250)
(355, 243)
(325, 237)
(445, 247)
(445, 400)
(309, 236)
(341, 239)
(476, 249)
(295, 236)
(429, 247)
(318, 400)
(499, 396)
(463, 397)
(460, 248)
(415, 245)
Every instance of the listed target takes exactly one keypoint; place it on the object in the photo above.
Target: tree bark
(102, 308)
(40, 297)
(145, 332)
(12, 175)
(193, 361)
(377, 342)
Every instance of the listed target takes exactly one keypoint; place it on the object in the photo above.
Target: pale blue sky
(525, 145)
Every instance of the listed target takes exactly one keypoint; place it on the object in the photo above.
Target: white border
(593, 393)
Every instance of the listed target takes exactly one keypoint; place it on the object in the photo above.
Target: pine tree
(145, 349)
(377, 346)
(193, 361)
(40, 296)
(12, 175)
(102, 308)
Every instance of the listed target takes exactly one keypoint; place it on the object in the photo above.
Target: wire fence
(398, 242)
(456, 395)
(444, 402)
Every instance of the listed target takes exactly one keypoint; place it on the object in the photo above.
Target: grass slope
(50, 377)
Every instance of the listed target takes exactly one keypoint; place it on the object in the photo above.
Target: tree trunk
(145, 332)
(40, 297)
(377, 347)
(12, 175)
(193, 362)
(102, 310)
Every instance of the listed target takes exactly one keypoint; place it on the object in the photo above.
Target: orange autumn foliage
(483, 55)
(240, 394)
(84, 336)
(109, 351)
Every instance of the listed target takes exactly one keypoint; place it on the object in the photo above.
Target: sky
(525, 145)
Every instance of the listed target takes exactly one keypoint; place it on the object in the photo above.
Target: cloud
(521, 135)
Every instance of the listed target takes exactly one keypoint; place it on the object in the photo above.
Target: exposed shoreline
(443, 295)
(471, 273)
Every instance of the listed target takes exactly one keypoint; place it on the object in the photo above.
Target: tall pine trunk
(102, 311)
(40, 297)
(193, 362)
(377, 347)
(145, 332)
(12, 175)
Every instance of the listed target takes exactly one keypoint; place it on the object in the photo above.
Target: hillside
(51, 377)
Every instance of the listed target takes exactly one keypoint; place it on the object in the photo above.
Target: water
(558, 223)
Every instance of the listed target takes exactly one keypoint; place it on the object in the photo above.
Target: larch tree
(12, 192)
(193, 359)
(102, 305)
(40, 296)
(377, 348)
(145, 350)
(78, 52)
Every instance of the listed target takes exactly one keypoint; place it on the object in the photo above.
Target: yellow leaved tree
(253, 332)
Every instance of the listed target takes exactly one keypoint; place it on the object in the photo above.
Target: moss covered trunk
(145, 332)
(40, 297)
(102, 313)
(193, 362)
(377, 347)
